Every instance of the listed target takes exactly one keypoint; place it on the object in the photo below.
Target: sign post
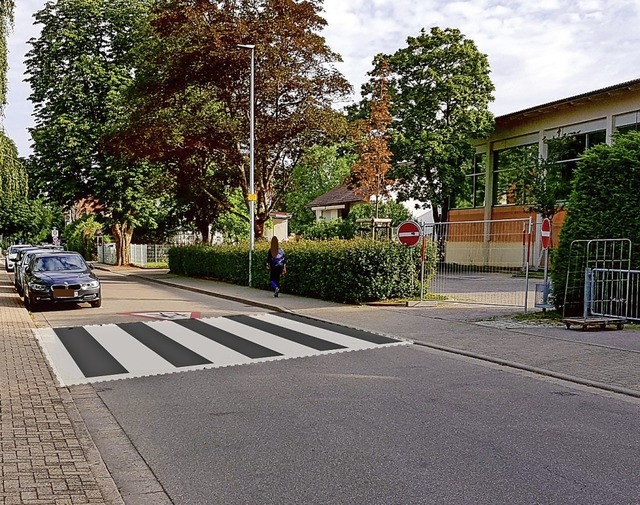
(410, 234)
(545, 241)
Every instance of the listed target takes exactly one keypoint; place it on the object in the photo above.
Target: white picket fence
(141, 254)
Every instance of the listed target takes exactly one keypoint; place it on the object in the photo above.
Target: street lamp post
(252, 196)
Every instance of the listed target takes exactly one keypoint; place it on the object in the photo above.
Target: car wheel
(97, 303)
(30, 303)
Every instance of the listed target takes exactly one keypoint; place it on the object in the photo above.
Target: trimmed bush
(346, 271)
(604, 204)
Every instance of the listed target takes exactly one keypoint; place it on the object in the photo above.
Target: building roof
(576, 100)
(337, 196)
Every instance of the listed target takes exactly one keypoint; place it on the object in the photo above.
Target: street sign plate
(545, 233)
(409, 233)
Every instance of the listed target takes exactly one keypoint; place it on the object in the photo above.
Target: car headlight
(37, 287)
(92, 284)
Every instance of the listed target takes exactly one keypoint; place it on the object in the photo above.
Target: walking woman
(276, 265)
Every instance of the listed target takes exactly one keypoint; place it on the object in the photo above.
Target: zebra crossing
(97, 353)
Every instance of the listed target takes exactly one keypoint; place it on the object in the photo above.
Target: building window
(629, 122)
(512, 174)
(568, 152)
(472, 192)
(628, 128)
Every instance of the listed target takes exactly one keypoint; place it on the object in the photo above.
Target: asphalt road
(397, 425)
(400, 425)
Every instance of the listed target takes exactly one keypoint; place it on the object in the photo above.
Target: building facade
(497, 180)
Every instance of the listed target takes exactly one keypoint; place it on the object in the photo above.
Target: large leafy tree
(195, 65)
(320, 169)
(6, 23)
(368, 174)
(604, 204)
(78, 69)
(15, 213)
(440, 95)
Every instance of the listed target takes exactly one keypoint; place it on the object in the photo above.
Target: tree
(604, 204)
(193, 46)
(320, 169)
(440, 91)
(6, 24)
(368, 174)
(78, 69)
(549, 181)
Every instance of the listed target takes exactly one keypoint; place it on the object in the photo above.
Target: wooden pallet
(600, 322)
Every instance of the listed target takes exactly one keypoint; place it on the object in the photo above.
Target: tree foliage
(196, 70)
(368, 174)
(604, 203)
(440, 92)
(78, 69)
(6, 24)
(320, 169)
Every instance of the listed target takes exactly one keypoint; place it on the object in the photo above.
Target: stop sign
(545, 233)
(409, 233)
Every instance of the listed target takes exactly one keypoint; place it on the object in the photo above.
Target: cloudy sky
(539, 50)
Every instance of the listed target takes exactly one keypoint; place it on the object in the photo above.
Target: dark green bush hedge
(347, 271)
(604, 204)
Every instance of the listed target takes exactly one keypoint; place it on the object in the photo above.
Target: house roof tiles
(337, 196)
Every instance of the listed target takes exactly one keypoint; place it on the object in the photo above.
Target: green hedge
(604, 204)
(346, 271)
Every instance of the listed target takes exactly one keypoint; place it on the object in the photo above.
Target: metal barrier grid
(484, 262)
(584, 257)
(614, 293)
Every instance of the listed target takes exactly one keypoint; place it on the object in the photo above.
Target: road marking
(165, 316)
(98, 353)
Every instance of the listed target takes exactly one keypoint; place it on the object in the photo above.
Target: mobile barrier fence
(485, 262)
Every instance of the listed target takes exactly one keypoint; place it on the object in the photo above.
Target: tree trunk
(203, 228)
(122, 234)
(258, 225)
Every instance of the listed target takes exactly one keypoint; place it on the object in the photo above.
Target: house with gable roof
(336, 203)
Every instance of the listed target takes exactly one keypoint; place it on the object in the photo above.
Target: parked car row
(49, 274)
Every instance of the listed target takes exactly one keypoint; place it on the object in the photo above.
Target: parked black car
(60, 277)
(23, 258)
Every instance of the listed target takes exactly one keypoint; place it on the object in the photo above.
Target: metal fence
(613, 293)
(140, 254)
(485, 262)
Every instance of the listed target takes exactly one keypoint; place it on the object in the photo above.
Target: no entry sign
(545, 233)
(409, 233)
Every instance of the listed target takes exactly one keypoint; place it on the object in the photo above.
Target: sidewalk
(48, 456)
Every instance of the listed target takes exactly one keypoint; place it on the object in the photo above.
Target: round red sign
(545, 233)
(409, 233)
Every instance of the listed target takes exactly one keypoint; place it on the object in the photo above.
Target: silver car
(12, 252)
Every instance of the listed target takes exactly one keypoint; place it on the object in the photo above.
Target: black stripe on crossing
(172, 351)
(288, 334)
(92, 359)
(238, 344)
(344, 330)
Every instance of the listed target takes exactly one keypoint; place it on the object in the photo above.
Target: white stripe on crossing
(128, 351)
(314, 331)
(273, 342)
(62, 363)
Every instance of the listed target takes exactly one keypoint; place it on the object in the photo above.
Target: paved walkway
(49, 458)
(47, 454)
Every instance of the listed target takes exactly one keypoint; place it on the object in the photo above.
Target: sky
(538, 50)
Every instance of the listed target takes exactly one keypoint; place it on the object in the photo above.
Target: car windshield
(58, 263)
